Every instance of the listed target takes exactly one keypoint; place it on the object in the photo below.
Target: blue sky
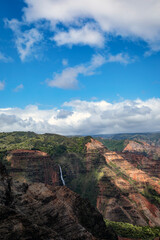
(80, 63)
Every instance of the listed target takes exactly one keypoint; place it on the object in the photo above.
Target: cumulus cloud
(62, 114)
(68, 78)
(18, 88)
(2, 85)
(84, 117)
(26, 41)
(87, 35)
(122, 58)
(138, 19)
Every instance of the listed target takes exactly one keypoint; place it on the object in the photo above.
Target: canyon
(124, 186)
(38, 211)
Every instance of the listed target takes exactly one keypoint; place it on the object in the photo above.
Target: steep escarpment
(5, 186)
(94, 154)
(33, 166)
(131, 201)
(39, 211)
(124, 192)
(144, 163)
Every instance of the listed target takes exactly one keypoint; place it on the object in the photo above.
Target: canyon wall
(123, 186)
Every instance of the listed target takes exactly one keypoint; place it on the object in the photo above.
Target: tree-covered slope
(53, 144)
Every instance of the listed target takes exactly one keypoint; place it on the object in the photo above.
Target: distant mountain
(149, 149)
(151, 138)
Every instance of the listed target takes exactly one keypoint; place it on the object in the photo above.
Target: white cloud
(85, 118)
(62, 114)
(96, 61)
(68, 78)
(2, 85)
(87, 35)
(18, 88)
(4, 58)
(138, 19)
(122, 58)
(25, 40)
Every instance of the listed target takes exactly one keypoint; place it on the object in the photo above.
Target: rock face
(132, 200)
(33, 166)
(123, 186)
(5, 186)
(144, 163)
(127, 191)
(139, 146)
(149, 150)
(144, 156)
(94, 154)
(38, 211)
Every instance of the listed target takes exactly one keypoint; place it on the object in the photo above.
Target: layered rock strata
(41, 212)
(124, 190)
(150, 150)
(33, 166)
(123, 186)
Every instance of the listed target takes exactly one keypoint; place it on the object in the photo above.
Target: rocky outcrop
(5, 186)
(153, 152)
(94, 154)
(137, 146)
(38, 211)
(143, 156)
(123, 183)
(144, 163)
(129, 201)
(33, 166)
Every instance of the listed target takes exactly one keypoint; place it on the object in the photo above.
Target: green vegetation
(113, 145)
(152, 195)
(69, 152)
(137, 232)
(3, 159)
(138, 142)
(147, 137)
(87, 186)
(53, 144)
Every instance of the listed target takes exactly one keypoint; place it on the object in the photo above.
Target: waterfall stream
(61, 174)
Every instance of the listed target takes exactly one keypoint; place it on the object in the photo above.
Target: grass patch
(53, 144)
(130, 231)
(113, 145)
(152, 195)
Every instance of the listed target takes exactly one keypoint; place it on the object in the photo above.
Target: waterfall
(62, 179)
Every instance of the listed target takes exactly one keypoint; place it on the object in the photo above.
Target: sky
(80, 67)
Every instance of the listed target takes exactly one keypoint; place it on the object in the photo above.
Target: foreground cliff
(38, 211)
